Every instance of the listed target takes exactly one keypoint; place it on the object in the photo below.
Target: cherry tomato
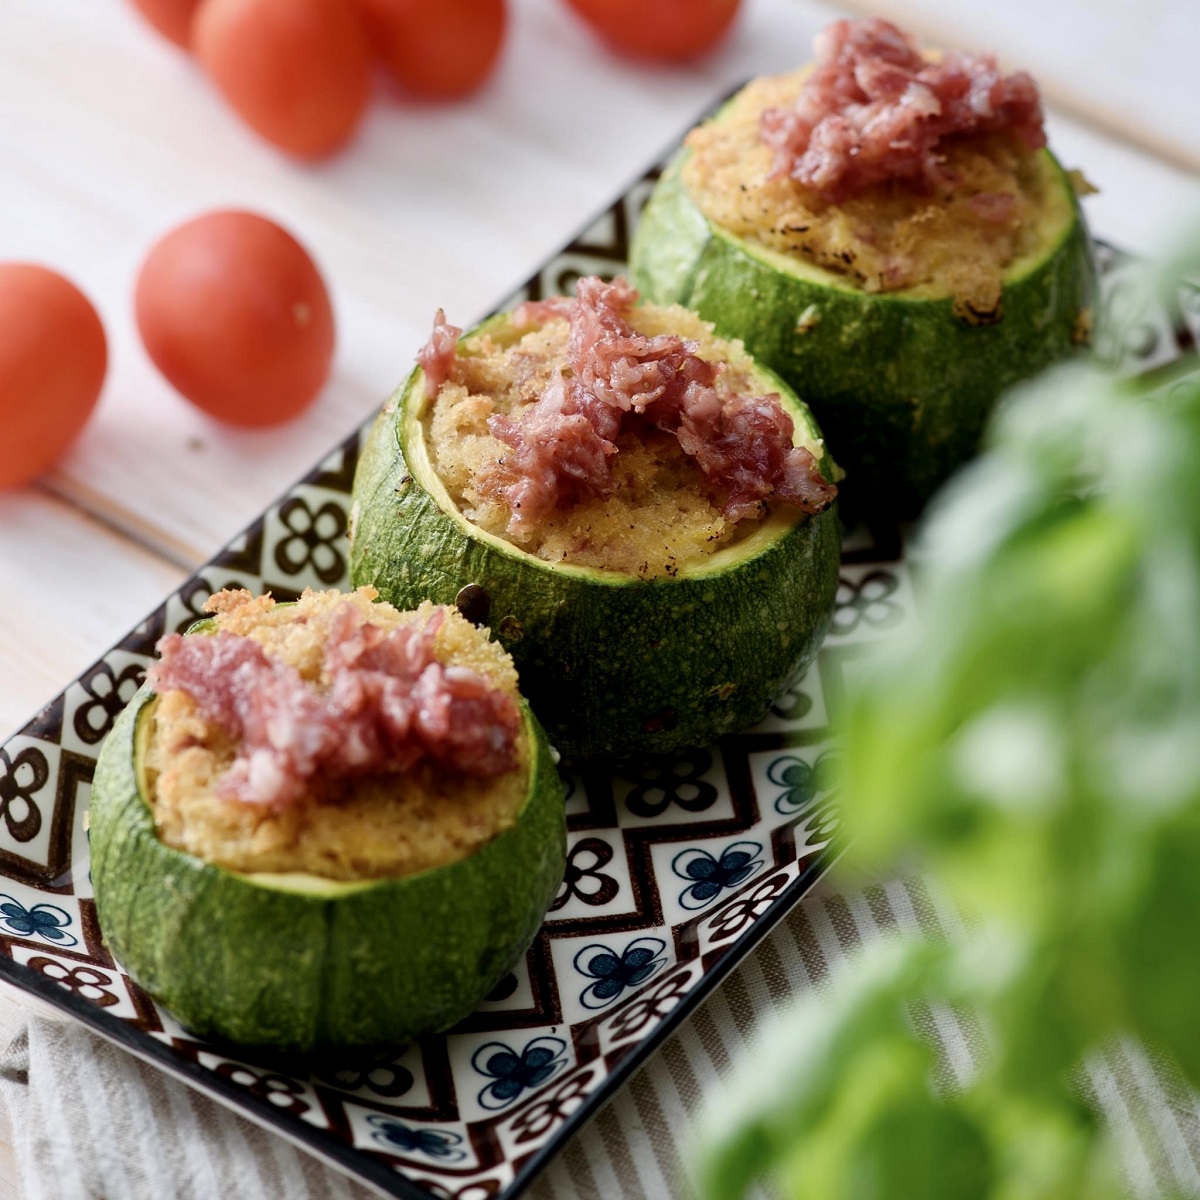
(297, 71)
(53, 356)
(172, 18)
(437, 48)
(235, 314)
(672, 30)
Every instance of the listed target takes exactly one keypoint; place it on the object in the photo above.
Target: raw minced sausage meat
(437, 355)
(563, 445)
(874, 109)
(390, 703)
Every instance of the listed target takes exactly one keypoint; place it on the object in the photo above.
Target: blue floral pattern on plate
(441, 1144)
(708, 876)
(613, 973)
(801, 782)
(42, 920)
(513, 1072)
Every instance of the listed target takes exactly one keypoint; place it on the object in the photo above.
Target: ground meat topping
(747, 442)
(874, 109)
(564, 443)
(390, 704)
(437, 355)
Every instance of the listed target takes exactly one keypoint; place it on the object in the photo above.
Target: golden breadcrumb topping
(958, 241)
(370, 828)
(662, 515)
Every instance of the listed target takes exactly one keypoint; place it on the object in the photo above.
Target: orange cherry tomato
(172, 18)
(297, 71)
(437, 48)
(53, 356)
(234, 313)
(671, 30)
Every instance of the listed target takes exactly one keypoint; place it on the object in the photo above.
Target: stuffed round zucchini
(325, 824)
(887, 231)
(641, 513)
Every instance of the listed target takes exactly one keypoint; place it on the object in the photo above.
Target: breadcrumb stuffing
(892, 237)
(662, 514)
(371, 828)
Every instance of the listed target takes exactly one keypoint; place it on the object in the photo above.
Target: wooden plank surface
(109, 136)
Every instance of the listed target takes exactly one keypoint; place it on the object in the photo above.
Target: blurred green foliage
(1033, 745)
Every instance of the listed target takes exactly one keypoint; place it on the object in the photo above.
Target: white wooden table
(109, 136)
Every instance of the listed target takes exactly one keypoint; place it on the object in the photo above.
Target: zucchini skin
(359, 964)
(902, 386)
(617, 668)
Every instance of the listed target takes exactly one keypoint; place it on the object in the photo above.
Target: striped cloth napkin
(150, 1136)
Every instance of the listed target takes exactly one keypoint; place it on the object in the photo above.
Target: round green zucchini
(297, 962)
(901, 383)
(616, 667)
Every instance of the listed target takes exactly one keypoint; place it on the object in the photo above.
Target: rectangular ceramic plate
(675, 872)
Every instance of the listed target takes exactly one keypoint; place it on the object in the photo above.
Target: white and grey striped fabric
(89, 1121)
